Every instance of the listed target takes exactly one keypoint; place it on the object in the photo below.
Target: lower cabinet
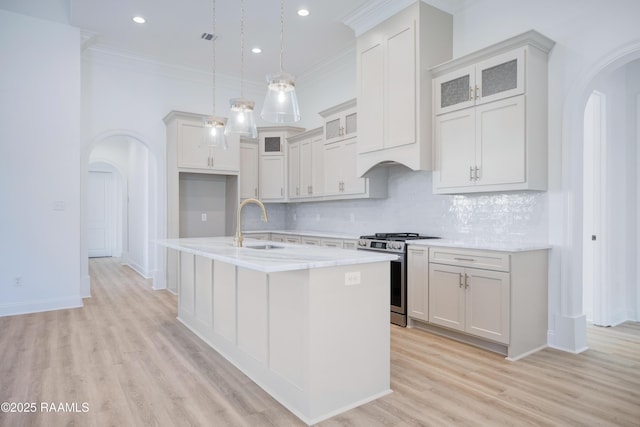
(493, 299)
(470, 300)
(418, 283)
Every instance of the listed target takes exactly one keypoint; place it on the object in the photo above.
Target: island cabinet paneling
(318, 345)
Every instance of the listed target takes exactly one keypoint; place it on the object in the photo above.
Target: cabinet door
(446, 296)
(454, 91)
(350, 128)
(455, 149)
(418, 283)
(487, 304)
(248, 170)
(500, 77)
(317, 166)
(400, 88)
(351, 182)
(193, 153)
(294, 171)
(371, 98)
(226, 159)
(500, 142)
(272, 177)
(332, 168)
(306, 168)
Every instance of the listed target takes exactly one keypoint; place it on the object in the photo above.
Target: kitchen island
(310, 325)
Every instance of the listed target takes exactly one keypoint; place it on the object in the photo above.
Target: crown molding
(373, 13)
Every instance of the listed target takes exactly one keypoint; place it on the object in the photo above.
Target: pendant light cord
(281, 34)
(213, 50)
(242, 49)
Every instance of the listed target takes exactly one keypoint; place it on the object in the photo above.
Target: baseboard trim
(40, 306)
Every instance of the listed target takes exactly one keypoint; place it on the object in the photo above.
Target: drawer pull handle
(465, 259)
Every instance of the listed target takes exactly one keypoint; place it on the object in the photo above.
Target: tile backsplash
(412, 207)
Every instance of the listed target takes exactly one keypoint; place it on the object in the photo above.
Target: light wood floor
(126, 356)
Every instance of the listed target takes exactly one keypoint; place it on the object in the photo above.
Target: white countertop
(482, 245)
(309, 233)
(286, 257)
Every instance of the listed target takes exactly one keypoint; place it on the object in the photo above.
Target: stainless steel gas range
(395, 243)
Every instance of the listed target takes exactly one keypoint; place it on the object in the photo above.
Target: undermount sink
(264, 246)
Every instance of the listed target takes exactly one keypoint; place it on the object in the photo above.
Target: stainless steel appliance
(394, 243)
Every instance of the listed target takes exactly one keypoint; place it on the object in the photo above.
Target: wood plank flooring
(127, 357)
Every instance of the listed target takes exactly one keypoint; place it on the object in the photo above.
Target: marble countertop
(309, 233)
(285, 257)
(482, 245)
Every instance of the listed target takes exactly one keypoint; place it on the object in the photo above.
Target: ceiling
(172, 33)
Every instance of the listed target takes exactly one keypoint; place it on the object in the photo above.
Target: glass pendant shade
(281, 103)
(241, 120)
(214, 132)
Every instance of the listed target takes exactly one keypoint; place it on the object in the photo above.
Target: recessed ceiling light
(303, 12)
(139, 20)
(256, 50)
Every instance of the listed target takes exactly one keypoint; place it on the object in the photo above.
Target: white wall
(39, 165)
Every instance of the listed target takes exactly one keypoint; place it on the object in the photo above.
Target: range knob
(362, 243)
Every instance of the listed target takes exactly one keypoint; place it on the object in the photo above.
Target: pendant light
(281, 103)
(241, 119)
(214, 134)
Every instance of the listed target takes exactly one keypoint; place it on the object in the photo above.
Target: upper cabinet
(186, 141)
(249, 160)
(306, 164)
(341, 121)
(340, 178)
(490, 80)
(490, 118)
(394, 86)
(273, 162)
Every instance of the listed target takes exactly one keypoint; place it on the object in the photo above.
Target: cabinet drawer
(489, 260)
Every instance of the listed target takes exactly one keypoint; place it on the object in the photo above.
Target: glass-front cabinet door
(454, 90)
(500, 77)
(497, 78)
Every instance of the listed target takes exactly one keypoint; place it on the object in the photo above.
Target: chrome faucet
(238, 239)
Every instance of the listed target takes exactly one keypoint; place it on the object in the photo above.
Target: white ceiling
(173, 29)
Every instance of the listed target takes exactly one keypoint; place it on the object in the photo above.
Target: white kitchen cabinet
(272, 141)
(490, 118)
(194, 154)
(311, 241)
(492, 299)
(394, 86)
(418, 283)
(249, 166)
(340, 177)
(470, 300)
(482, 147)
(349, 244)
(285, 238)
(340, 121)
(306, 164)
(190, 160)
(490, 80)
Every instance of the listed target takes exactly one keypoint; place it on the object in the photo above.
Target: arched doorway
(129, 154)
(571, 324)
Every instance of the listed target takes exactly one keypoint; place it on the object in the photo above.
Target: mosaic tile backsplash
(412, 207)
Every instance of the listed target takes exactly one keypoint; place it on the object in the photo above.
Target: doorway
(611, 197)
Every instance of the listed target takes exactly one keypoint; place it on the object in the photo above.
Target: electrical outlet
(204, 217)
(17, 281)
(352, 278)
